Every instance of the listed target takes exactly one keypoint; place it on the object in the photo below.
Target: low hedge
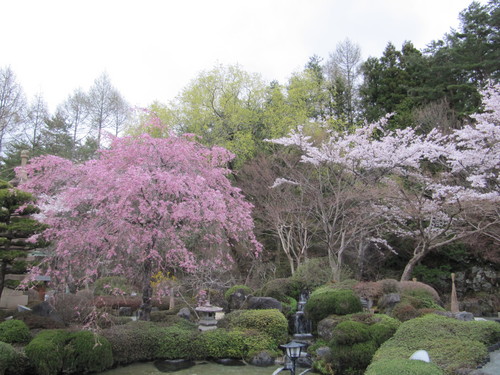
(326, 301)
(55, 351)
(177, 342)
(271, 322)
(452, 344)
(14, 331)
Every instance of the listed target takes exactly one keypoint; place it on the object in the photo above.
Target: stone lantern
(207, 316)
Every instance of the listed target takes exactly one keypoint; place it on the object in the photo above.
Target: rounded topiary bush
(45, 351)
(350, 333)
(85, 351)
(14, 331)
(271, 322)
(331, 301)
(403, 367)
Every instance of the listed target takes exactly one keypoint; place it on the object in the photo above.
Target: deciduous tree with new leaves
(429, 185)
(146, 205)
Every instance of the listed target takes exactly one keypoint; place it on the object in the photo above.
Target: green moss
(14, 331)
(403, 367)
(235, 288)
(326, 301)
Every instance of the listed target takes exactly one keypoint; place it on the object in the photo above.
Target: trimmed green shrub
(240, 344)
(271, 322)
(166, 317)
(86, 352)
(350, 333)
(452, 344)
(45, 351)
(134, 341)
(177, 342)
(12, 331)
(403, 367)
(221, 343)
(235, 288)
(7, 356)
(326, 301)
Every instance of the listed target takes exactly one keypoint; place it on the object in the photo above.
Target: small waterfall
(302, 327)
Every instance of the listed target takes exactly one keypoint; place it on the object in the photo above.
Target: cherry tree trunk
(147, 291)
(418, 254)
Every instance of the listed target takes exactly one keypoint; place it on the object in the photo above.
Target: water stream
(302, 330)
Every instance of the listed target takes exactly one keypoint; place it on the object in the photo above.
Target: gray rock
(325, 328)
(465, 316)
(263, 303)
(184, 313)
(45, 309)
(262, 359)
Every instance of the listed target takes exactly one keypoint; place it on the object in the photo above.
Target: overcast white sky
(151, 49)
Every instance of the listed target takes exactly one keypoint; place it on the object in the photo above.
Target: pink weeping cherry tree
(146, 205)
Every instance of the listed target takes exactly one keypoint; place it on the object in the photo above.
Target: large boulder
(263, 303)
(237, 300)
